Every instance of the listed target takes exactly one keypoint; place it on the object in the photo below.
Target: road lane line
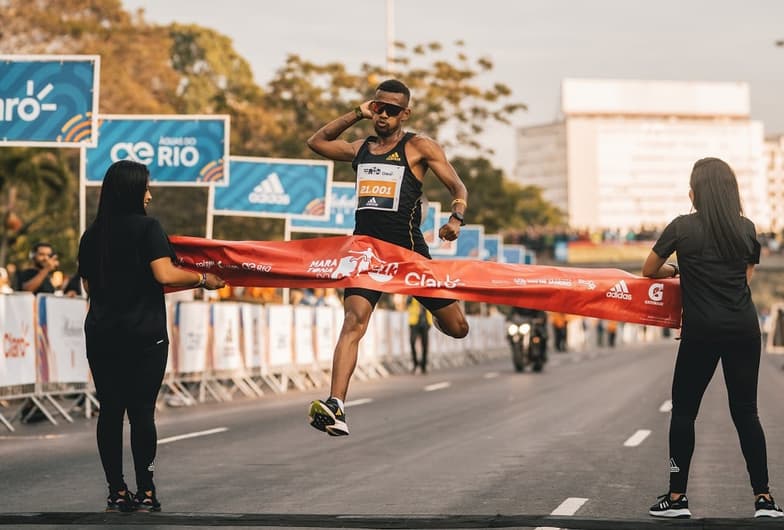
(567, 508)
(361, 401)
(637, 438)
(491, 375)
(666, 406)
(437, 386)
(191, 435)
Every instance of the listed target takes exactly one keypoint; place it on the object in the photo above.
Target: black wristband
(358, 113)
(675, 270)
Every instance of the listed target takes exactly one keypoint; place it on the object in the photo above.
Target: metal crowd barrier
(217, 350)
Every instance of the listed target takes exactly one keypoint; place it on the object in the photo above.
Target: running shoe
(146, 501)
(666, 507)
(120, 501)
(329, 417)
(767, 508)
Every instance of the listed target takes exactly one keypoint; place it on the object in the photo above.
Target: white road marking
(191, 435)
(491, 375)
(567, 507)
(438, 386)
(361, 401)
(637, 438)
(666, 406)
(33, 437)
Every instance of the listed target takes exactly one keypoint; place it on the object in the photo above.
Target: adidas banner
(341, 213)
(269, 187)
(184, 150)
(362, 261)
(48, 100)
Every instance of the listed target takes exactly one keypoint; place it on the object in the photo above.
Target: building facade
(774, 157)
(622, 155)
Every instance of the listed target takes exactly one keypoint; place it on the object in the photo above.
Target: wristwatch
(459, 217)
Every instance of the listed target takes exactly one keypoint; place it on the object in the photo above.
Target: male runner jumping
(393, 216)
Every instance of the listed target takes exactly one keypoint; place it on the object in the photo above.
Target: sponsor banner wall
(514, 254)
(61, 342)
(366, 262)
(193, 324)
(185, 150)
(341, 213)
(493, 247)
(273, 187)
(226, 336)
(470, 242)
(48, 100)
(429, 225)
(17, 362)
(280, 322)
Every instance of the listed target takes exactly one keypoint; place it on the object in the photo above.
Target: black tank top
(388, 197)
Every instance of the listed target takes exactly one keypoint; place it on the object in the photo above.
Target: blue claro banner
(276, 187)
(49, 100)
(341, 213)
(179, 150)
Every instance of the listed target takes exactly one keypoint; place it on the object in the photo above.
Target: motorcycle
(528, 340)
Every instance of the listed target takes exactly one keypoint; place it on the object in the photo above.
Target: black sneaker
(146, 501)
(120, 501)
(327, 416)
(767, 508)
(666, 507)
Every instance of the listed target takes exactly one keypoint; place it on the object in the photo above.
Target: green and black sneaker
(329, 417)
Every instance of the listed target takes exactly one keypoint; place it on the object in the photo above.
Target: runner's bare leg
(357, 312)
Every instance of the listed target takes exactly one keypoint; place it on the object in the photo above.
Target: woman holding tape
(125, 260)
(717, 249)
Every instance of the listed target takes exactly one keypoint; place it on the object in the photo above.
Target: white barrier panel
(226, 353)
(326, 334)
(254, 335)
(62, 350)
(304, 322)
(368, 346)
(192, 323)
(381, 316)
(398, 333)
(17, 362)
(280, 319)
(170, 357)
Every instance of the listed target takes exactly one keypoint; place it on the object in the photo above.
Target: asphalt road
(583, 443)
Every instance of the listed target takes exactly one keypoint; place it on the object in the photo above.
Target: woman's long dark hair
(717, 201)
(122, 193)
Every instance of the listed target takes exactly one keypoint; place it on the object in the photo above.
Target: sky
(534, 44)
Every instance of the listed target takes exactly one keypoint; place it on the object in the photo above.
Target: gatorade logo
(655, 294)
(269, 191)
(28, 108)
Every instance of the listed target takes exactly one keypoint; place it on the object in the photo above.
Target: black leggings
(127, 380)
(694, 368)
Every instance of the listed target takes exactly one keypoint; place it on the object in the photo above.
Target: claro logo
(28, 108)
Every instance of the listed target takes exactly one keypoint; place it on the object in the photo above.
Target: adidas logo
(371, 202)
(674, 467)
(620, 290)
(394, 156)
(269, 191)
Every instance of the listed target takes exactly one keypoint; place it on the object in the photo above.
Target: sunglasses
(377, 107)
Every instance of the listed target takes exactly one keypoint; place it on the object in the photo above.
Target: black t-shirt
(128, 306)
(26, 275)
(717, 300)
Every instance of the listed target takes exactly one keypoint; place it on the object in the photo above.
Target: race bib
(378, 186)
